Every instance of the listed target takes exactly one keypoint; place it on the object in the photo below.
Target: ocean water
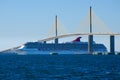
(59, 67)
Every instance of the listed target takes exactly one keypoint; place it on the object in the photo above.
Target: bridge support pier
(112, 44)
(90, 44)
(44, 42)
(56, 41)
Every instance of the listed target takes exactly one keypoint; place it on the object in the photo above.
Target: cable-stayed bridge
(90, 25)
(98, 27)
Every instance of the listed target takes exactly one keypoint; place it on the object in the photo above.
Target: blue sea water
(59, 67)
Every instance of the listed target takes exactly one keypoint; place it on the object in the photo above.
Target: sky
(22, 21)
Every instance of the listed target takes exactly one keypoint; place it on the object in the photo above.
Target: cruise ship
(74, 47)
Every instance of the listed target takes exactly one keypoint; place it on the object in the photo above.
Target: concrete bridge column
(90, 44)
(56, 41)
(112, 44)
(45, 42)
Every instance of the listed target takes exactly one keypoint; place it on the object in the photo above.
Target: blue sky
(29, 20)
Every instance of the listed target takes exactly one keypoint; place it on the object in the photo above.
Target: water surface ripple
(59, 67)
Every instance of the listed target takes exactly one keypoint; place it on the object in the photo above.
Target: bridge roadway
(77, 34)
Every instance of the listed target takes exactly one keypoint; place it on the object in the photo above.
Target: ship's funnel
(77, 39)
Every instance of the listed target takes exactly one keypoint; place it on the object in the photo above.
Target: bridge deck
(77, 34)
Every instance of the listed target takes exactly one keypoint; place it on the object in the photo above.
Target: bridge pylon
(56, 33)
(90, 37)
